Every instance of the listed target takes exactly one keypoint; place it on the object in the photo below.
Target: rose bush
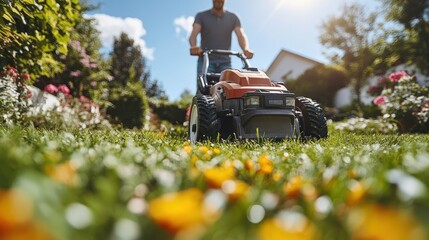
(405, 101)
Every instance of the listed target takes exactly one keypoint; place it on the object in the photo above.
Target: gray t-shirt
(216, 32)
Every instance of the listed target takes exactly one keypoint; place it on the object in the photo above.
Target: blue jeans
(215, 65)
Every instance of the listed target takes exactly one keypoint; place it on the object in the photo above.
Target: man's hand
(196, 51)
(248, 53)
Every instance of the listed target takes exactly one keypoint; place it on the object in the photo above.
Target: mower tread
(313, 122)
(209, 123)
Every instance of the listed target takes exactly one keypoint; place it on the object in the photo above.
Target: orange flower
(31, 230)
(275, 229)
(379, 222)
(64, 173)
(293, 187)
(249, 165)
(217, 175)
(179, 211)
(16, 209)
(356, 193)
(265, 164)
(352, 174)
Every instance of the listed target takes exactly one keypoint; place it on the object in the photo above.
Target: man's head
(218, 4)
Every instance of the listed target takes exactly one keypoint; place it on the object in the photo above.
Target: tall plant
(33, 33)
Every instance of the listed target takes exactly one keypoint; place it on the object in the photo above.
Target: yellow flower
(64, 173)
(277, 176)
(16, 210)
(293, 187)
(275, 229)
(379, 222)
(187, 149)
(203, 149)
(217, 175)
(235, 189)
(216, 151)
(356, 193)
(265, 164)
(179, 211)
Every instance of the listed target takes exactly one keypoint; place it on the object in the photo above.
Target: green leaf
(8, 17)
(28, 1)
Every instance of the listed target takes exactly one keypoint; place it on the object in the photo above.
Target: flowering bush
(405, 101)
(71, 113)
(362, 125)
(14, 95)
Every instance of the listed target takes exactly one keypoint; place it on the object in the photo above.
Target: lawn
(123, 184)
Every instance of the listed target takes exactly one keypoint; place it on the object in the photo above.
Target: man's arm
(195, 50)
(242, 41)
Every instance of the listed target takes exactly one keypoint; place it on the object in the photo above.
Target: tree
(154, 89)
(127, 62)
(413, 16)
(32, 34)
(352, 36)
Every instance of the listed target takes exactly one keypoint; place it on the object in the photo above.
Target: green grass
(110, 168)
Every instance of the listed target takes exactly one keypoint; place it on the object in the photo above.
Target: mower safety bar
(206, 54)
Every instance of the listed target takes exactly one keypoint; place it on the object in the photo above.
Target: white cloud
(111, 27)
(184, 24)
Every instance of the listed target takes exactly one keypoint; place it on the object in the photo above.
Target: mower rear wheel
(203, 121)
(312, 123)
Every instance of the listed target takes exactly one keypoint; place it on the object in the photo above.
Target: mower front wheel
(312, 120)
(203, 121)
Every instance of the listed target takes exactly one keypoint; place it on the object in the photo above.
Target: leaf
(8, 17)
(28, 1)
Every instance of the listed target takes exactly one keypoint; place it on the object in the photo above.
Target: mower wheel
(203, 121)
(312, 123)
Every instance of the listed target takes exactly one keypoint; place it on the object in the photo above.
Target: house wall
(289, 64)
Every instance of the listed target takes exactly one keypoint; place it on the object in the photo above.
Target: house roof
(283, 53)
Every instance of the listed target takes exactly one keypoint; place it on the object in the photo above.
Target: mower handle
(243, 57)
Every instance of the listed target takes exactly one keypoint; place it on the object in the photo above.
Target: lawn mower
(246, 104)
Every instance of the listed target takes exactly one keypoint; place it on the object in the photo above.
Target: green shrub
(319, 83)
(129, 106)
(172, 112)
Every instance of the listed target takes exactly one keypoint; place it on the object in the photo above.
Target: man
(216, 26)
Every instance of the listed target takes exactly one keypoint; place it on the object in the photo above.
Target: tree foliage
(319, 83)
(127, 62)
(412, 39)
(33, 33)
(352, 36)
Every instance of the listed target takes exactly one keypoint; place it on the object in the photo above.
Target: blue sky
(161, 28)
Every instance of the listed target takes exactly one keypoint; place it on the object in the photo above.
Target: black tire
(312, 123)
(203, 121)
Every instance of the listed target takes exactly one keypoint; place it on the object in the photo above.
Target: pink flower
(94, 83)
(11, 71)
(29, 93)
(380, 100)
(51, 89)
(64, 89)
(76, 73)
(395, 77)
(84, 99)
